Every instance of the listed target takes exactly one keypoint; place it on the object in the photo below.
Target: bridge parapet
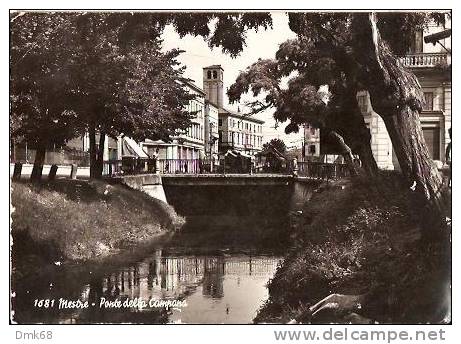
(148, 183)
(226, 179)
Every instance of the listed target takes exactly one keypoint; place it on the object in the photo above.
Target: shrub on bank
(361, 238)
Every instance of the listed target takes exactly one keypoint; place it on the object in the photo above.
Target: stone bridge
(226, 179)
(220, 193)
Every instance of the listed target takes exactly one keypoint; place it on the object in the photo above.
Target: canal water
(210, 289)
(215, 274)
(214, 270)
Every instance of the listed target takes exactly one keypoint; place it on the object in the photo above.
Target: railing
(322, 170)
(424, 60)
(112, 167)
(183, 166)
(128, 166)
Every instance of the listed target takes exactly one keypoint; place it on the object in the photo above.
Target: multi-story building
(187, 145)
(311, 142)
(431, 64)
(236, 131)
(211, 129)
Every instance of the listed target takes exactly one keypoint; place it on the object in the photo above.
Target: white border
(204, 333)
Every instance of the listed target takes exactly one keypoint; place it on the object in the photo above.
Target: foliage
(38, 63)
(320, 55)
(360, 239)
(95, 71)
(276, 144)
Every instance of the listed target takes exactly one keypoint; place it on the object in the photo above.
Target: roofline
(194, 86)
(214, 66)
(211, 103)
(248, 118)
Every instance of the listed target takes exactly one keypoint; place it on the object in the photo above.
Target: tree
(127, 85)
(351, 52)
(276, 144)
(39, 114)
(333, 109)
(117, 80)
(397, 97)
(148, 101)
(368, 55)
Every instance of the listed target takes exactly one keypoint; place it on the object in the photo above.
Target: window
(209, 74)
(312, 149)
(428, 101)
(215, 74)
(220, 122)
(246, 126)
(312, 131)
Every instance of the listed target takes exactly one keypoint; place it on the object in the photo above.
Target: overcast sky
(261, 44)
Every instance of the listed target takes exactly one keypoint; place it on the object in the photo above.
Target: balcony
(425, 60)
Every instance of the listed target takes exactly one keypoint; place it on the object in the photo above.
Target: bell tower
(213, 84)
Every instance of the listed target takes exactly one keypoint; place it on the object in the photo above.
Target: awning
(246, 155)
(231, 153)
(132, 149)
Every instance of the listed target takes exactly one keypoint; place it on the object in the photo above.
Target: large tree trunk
(96, 153)
(93, 158)
(358, 134)
(37, 170)
(100, 155)
(415, 162)
(345, 150)
(397, 97)
(349, 123)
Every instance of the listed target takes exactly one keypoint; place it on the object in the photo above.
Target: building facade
(311, 145)
(431, 63)
(211, 129)
(240, 133)
(236, 131)
(189, 145)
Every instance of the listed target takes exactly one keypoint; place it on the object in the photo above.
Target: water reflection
(217, 289)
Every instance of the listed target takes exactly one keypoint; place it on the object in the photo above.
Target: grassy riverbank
(71, 233)
(83, 220)
(362, 239)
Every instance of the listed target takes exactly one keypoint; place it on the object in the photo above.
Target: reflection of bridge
(173, 277)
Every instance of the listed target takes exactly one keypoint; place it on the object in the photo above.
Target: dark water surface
(215, 268)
